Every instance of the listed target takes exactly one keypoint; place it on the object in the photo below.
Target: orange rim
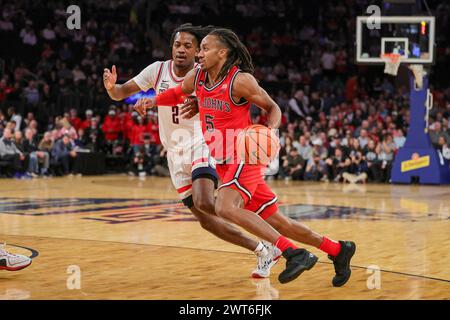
(393, 57)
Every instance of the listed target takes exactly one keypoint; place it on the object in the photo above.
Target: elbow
(115, 97)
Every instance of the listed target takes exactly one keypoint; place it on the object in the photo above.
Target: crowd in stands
(341, 122)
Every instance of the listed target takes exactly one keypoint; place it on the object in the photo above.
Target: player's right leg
(239, 184)
(12, 262)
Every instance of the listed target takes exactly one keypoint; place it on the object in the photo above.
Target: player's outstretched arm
(118, 91)
(245, 86)
(170, 97)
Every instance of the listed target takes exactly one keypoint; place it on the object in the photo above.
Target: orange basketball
(257, 144)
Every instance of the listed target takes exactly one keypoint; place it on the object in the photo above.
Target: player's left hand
(143, 104)
(189, 108)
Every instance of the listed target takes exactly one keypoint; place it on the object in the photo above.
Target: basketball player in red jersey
(194, 179)
(225, 89)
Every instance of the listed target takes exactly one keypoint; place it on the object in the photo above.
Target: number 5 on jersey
(209, 122)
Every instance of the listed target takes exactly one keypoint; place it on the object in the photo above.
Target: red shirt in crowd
(75, 122)
(127, 127)
(137, 134)
(85, 123)
(153, 129)
(111, 128)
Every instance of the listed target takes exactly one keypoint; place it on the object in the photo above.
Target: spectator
(298, 106)
(111, 128)
(319, 148)
(385, 151)
(337, 165)
(436, 132)
(46, 143)
(74, 120)
(294, 165)
(316, 168)
(161, 168)
(86, 123)
(31, 94)
(143, 159)
(11, 154)
(328, 60)
(63, 154)
(36, 157)
(370, 155)
(357, 171)
(94, 139)
(363, 138)
(48, 33)
(399, 139)
(17, 118)
(303, 147)
(444, 148)
(137, 134)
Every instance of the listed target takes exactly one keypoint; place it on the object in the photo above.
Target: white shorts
(188, 164)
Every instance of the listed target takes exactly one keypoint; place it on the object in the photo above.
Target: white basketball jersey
(173, 130)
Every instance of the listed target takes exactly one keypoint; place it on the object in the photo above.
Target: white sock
(261, 250)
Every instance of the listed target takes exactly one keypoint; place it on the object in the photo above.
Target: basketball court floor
(119, 237)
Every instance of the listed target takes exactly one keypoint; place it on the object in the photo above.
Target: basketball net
(391, 62)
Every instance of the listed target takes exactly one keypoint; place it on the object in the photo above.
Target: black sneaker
(297, 261)
(342, 263)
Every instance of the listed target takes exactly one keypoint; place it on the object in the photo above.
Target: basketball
(257, 144)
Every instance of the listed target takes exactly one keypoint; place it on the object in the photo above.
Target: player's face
(211, 52)
(184, 49)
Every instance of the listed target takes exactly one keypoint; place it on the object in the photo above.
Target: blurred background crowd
(341, 121)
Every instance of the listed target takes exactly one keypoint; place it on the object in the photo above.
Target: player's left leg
(340, 252)
(12, 262)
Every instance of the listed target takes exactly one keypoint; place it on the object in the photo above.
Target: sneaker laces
(264, 261)
(4, 252)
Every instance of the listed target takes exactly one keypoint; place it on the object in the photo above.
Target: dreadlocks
(198, 32)
(237, 55)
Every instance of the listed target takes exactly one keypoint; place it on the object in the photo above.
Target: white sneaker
(12, 262)
(266, 262)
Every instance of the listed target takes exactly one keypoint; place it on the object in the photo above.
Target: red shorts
(249, 182)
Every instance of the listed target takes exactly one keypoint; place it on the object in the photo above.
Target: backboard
(411, 37)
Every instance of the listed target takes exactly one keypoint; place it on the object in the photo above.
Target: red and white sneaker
(266, 262)
(12, 262)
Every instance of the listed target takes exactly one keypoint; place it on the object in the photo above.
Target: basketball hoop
(391, 62)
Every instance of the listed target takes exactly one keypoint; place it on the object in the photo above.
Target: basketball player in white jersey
(192, 173)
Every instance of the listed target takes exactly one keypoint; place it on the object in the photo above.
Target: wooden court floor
(119, 237)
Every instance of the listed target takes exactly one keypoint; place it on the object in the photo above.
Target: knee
(204, 204)
(224, 210)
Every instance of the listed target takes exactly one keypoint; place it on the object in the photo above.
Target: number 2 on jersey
(175, 115)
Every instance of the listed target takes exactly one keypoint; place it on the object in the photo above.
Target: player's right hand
(109, 77)
(189, 108)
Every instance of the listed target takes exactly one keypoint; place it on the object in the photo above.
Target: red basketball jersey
(222, 118)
